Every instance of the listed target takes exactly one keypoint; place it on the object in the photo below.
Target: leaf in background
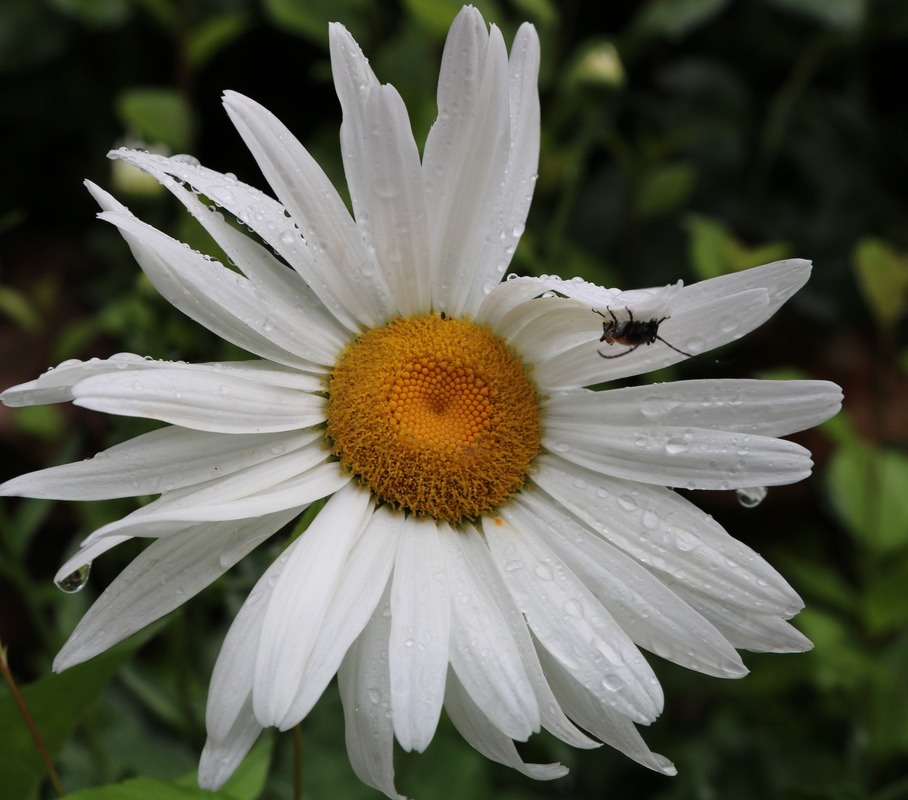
(157, 115)
(882, 274)
(436, 15)
(95, 12)
(714, 250)
(843, 14)
(310, 19)
(211, 36)
(867, 488)
(665, 188)
(56, 703)
(248, 782)
(676, 18)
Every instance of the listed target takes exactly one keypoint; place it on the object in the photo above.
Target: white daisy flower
(498, 540)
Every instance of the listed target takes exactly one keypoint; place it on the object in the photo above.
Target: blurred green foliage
(681, 138)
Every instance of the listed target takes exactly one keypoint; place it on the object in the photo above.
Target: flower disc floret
(435, 415)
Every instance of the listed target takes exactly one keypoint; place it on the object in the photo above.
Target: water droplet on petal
(75, 581)
(751, 498)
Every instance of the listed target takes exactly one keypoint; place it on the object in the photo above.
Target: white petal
(569, 622)
(420, 634)
(692, 458)
(354, 81)
(364, 681)
(395, 201)
(161, 578)
(512, 197)
(746, 628)
(765, 408)
(163, 517)
(484, 655)
(160, 461)
(665, 532)
(553, 719)
(471, 721)
(261, 213)
(466, 159)
(208, 292)
(298, 321)
(365, 578)
(781, 279)
(694, 330)
(311, 568)
(347, 266)
(650, 613)
(230, 692)
(599, 719)
(55, 385)
(202, 398)
(220, 757)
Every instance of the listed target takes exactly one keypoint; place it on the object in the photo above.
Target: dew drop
(676, 445)
(751, 498)
(75, 581)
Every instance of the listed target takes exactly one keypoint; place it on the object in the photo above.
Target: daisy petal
(364, 680)
(261, 213)
(201, 398)
(665, 532)
(599, 719)
(161, 578)
(163, 517)
(483, 653)
(692, 458)
(354, 81)
(515, 192)
(748, 629)
(230, 692)
(395, 200)
(335, 242)
(553, 719)
(160, 461)
(420, 633)
(466, 158)
(218, 298)
(310, 569)
(567, 365)
(220, 757)
(366, 576)
(473, 724)
(652, 615)
(568, 621)
(760, 407)
(308, 330)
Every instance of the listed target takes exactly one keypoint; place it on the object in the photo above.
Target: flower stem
(297, 762)
(29, 722)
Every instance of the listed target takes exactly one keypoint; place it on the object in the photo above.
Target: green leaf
(56, 703)
(882, 274)
(248, 782)
(867, 488)
(676, 18)
(310, 19)
(213, 35)
(144, 789)
(95, 12)
(714, 250)
(437, 15)
(665, 188)
(842, 14)
(157, 115)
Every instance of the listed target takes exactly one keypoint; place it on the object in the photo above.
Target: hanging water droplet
(751, 498)
(75, 581)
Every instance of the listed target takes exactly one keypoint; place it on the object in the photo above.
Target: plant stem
(29, 722)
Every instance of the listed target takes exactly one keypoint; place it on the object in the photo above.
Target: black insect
(632, 332)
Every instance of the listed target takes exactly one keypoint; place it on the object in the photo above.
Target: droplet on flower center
(435, 415)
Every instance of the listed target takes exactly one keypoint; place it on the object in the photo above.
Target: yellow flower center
(435, 415)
